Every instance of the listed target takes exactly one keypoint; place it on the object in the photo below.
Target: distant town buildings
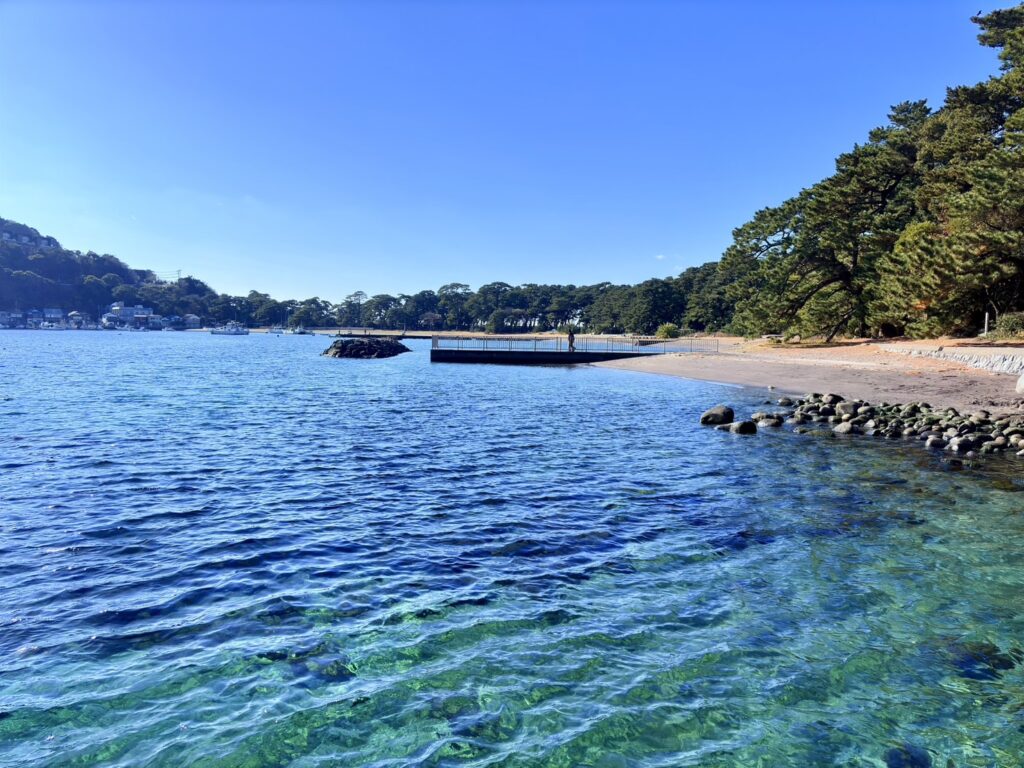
(117, 316)
(124, 314)
(36, 318)
(42, 242)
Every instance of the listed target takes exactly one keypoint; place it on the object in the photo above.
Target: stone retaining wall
(1012, 364)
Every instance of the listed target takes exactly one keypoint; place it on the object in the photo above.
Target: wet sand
(864, 370)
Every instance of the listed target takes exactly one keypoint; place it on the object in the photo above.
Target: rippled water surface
(229, 551)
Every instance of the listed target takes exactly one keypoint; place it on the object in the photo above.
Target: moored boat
(230, 329)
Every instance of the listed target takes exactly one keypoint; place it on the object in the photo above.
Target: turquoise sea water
(229, 551)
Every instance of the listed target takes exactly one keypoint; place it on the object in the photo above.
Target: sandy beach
(866, 370)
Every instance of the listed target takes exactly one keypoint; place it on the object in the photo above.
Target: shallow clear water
(230, 551)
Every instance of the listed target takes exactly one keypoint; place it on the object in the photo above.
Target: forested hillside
(919, 231)
(36, 272)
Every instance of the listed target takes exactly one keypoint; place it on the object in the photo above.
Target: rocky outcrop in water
(743, 428)
(720, 414)
(365, 349)
(763, 419)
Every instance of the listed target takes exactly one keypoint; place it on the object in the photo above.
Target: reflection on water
(231, 551)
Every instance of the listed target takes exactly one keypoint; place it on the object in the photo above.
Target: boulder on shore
(720, 414)
(743, 428)
(364, 349)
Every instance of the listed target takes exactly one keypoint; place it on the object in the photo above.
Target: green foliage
(36, 272)
(667, 331)
(1010, 324)
(919, 231)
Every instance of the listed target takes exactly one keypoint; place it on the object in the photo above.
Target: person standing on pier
(572, 341)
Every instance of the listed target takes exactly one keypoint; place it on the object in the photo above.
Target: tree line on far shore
(920, 231)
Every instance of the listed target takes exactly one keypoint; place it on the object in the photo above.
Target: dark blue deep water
(230, 551)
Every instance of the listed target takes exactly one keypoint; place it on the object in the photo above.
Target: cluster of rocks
(722, 417)
(940, 429)
(366, 348)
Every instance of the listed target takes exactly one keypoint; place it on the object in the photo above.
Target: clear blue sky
(319, 148)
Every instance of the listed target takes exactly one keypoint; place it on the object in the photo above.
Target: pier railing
(639, 345)
(696, 344)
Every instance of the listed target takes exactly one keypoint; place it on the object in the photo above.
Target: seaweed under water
(230, 551)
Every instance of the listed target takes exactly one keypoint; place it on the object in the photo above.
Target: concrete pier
(523, 357)
(554, 350)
